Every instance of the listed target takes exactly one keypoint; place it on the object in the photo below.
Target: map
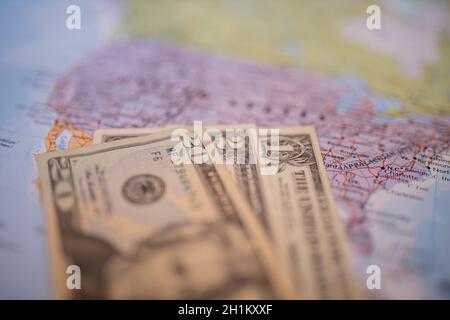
(384, 131)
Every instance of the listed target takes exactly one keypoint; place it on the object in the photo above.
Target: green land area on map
(320, 35)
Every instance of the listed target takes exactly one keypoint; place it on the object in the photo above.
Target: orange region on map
(77, 137)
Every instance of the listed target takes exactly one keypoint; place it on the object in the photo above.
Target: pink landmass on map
(145, 84)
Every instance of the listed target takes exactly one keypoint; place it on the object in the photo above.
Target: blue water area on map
(358, 92)
(36, 47)
(432, 234)
(383, 104)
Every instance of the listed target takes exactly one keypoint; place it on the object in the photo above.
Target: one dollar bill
(303, 221)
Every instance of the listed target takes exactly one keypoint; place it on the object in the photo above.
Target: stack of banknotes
(182, 212)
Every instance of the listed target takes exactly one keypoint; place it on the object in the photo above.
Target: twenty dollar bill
(140, 226)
